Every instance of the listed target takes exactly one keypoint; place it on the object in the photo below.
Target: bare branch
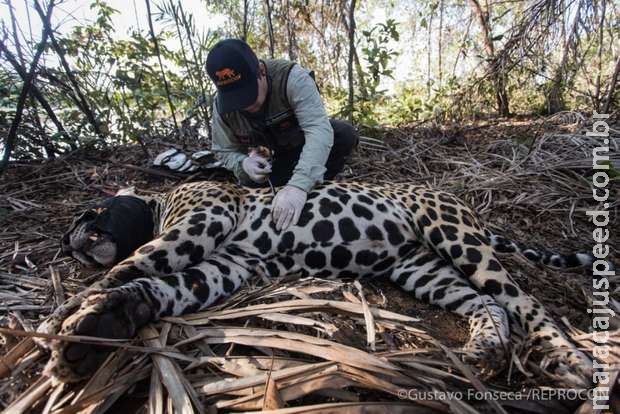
(84, 105)
(34, 91)
(161, 65)
(12, 135)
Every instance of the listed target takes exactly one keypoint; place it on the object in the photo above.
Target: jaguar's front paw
(117, 314)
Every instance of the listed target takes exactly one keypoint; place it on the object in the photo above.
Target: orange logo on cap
(226, 76)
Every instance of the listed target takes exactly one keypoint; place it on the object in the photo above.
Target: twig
(161, 65)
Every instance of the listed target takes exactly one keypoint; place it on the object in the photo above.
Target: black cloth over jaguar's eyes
(128, 220)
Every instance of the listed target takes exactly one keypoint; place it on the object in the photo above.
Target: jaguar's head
(110, 231)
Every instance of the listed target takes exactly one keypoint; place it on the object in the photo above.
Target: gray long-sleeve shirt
(306, 102)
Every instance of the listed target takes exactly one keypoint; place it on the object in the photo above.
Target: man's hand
(256, 167)
(287, 206)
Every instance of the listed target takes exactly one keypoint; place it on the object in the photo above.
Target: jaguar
(179, 252)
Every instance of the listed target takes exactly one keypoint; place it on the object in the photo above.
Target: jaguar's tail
(504, 246)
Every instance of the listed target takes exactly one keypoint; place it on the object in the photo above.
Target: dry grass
(306, 345)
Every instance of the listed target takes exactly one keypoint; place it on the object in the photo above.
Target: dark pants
(346, 139)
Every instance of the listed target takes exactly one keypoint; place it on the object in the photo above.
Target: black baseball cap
(233, 67)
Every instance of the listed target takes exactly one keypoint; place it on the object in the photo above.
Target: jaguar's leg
(436, 281)
(121, 311)
(471, 252)
(201, 233)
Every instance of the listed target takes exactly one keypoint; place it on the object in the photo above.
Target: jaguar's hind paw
(489, 340)
(488, 357)
(570, 368)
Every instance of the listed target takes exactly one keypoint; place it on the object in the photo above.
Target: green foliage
(378, 55)
(124, 85)
(408, 105)
(9, 93)
(121, 79)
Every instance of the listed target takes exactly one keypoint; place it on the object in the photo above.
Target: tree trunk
(244, 35)
(429, 55)
(555, 95)
(501, 95)
(50, 151)
(270, 30)
(496, 72)
(356, 62)
(440, 43)
(290, 32)
(351, 53)
(597, 86)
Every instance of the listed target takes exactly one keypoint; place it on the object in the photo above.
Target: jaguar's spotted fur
(201, 241)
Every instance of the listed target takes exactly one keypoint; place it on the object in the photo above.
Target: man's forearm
(232, 160)
(311, 165)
